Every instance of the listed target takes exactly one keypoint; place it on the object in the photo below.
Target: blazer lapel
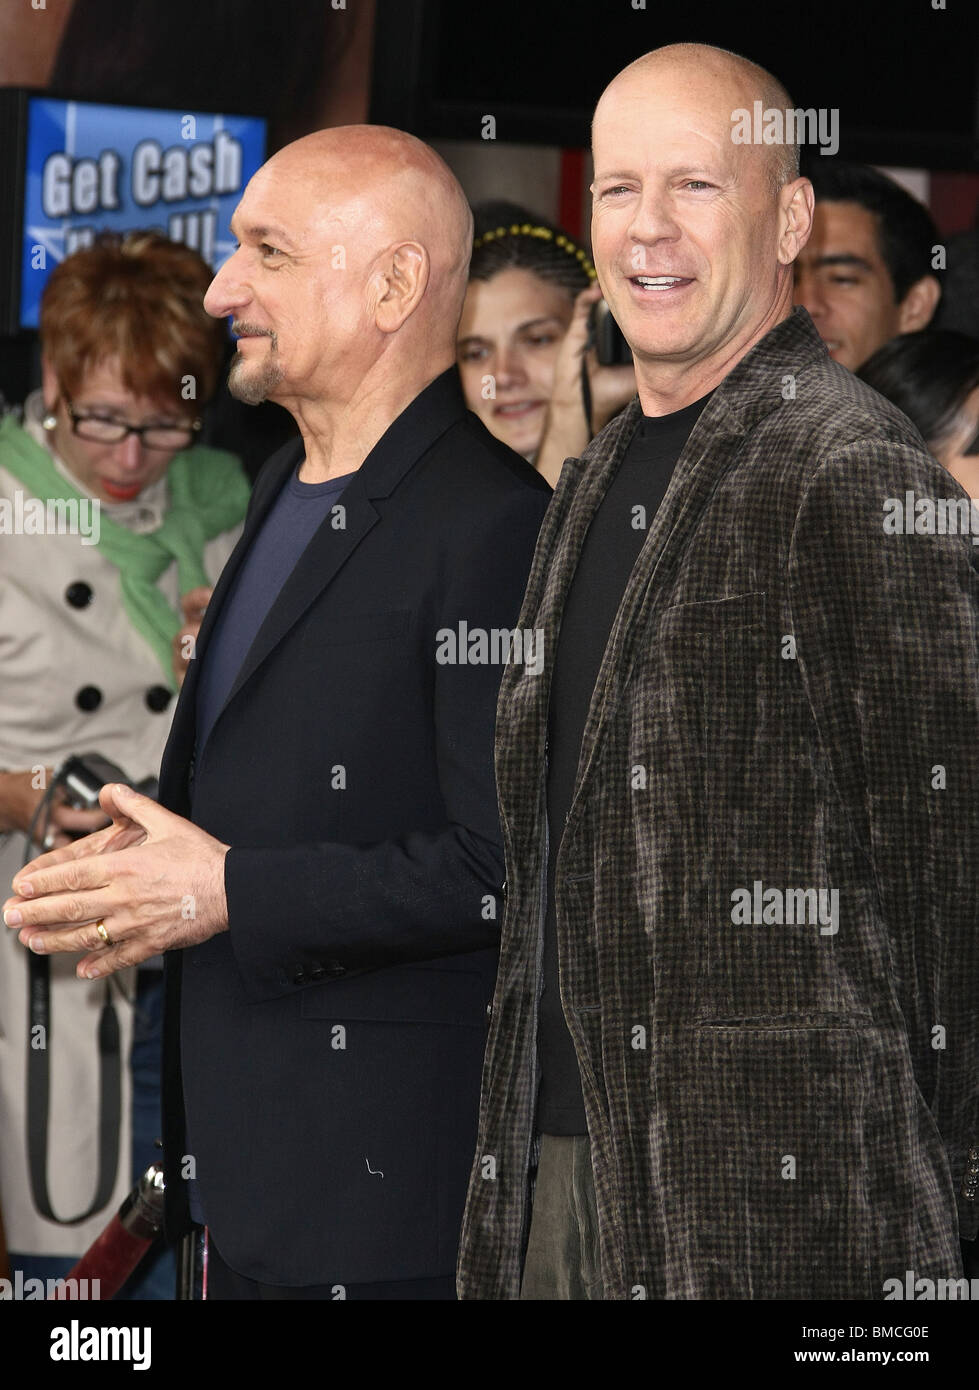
(271, 481)
(525, 697)
(751, 391)
(314, 569)
(432, 412)
(267, 487)
(710, 450)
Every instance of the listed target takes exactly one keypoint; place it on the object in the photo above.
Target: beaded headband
(544, 234)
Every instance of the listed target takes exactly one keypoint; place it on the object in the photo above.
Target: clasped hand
(154, 880)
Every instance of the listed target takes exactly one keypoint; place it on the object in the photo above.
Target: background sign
(90, 168)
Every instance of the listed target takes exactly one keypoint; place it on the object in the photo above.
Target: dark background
(905, 77)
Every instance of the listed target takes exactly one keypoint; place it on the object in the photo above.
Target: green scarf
(208, 494)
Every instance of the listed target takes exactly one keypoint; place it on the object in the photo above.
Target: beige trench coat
(49, 651)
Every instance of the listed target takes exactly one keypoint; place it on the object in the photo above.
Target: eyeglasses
(101, 429)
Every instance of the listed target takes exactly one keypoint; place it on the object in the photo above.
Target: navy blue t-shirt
(295, 517)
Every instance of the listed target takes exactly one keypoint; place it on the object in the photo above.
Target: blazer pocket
(735, 611)
(401, 994)
(780, 1023)
(344, 628)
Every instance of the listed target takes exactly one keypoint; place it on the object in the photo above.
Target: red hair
(139, 300)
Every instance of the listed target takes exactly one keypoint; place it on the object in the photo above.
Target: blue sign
(92, 168)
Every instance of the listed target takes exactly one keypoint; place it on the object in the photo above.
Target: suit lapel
(432, 412)
(709, 452)
(751, 391)
(267, 488)
(327, 551)
(745, 396)
(524, 696)
(272, 479)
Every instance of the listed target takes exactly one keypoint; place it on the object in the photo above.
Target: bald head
(694, 229)
(384, 186)
(355, 244)
(719, 81)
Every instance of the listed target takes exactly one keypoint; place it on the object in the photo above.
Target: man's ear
(400, 281)
(916, 309)
(796, 203)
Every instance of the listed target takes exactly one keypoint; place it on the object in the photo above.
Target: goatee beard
(252, 384)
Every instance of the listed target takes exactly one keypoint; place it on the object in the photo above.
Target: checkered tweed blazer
(786, 716)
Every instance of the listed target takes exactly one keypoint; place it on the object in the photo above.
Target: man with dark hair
(867, 273)
(934, 378)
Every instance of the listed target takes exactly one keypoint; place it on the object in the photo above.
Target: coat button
(79, 594)
(157, 698)
(88, 698)
(971, 1181)
(299, 978)
(489, 1011)
(333, 967)
(317, 972)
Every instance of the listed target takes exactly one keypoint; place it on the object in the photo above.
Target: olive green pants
(562, 1252)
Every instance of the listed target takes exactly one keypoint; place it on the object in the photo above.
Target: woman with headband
(527, 366)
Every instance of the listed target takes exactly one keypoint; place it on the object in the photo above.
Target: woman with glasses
(114, 522)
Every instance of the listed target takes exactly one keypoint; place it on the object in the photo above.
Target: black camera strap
(38, 1087)
(586, 398)
(586, 382)
(39, 1052)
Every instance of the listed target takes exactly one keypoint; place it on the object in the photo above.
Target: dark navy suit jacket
(323, 1055)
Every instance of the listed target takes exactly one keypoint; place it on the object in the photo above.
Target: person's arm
(566, 433)
(425, 894)
(21, 793)
(887, 639)
(156, 882)
(193, 606)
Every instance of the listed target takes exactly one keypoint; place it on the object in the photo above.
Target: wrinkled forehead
(298, 204)
(661, 121)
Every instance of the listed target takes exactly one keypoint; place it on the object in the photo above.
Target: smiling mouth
(659, 284)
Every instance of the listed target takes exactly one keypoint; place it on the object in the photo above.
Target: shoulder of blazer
(483, 465)
(789, 373)
(468, 479)
(794, 402)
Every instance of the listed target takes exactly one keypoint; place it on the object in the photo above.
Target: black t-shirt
(611, 545)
